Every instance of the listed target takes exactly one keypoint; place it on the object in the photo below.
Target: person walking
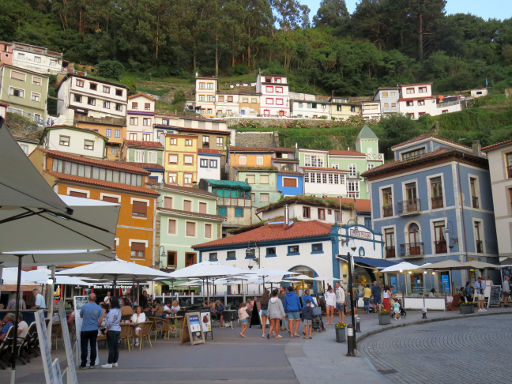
(367, 295)
(377, 293)
(340, 302)
(275, 313)
(480, 290)
(264, 311)
(90, 314)
(292, 307)
(243, 316)
(506, 290)
(113, 331)
(307, 315)
(284, 321)
(330, 304)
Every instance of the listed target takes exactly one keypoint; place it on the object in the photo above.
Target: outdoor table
(175, 321)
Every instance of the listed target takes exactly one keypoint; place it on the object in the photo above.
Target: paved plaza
(460, 350)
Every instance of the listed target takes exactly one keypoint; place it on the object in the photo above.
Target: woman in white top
(138, 317)
(330, 304)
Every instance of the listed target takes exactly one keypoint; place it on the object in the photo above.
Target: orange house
(108, 181)
(111, 128)
(251, 157)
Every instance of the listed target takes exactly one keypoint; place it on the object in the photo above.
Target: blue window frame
(203, 163)
(231, 255)
(239, 212)
(271, 252)
(222, 211)
(212, 256)
(293, 250)
(213, 163)
(317, 248)
(368, 222)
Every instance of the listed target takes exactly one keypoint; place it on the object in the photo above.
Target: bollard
(351, 341)
(424, 313)
(358, 324)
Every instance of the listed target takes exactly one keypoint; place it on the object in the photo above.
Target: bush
(240, 69)
(110, 69)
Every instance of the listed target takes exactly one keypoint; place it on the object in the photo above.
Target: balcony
(474, 202)
(409, 207)
(387, 211)
(390, 252)
(437, 202)
(479, 246)
(411, 250)
(440, 246)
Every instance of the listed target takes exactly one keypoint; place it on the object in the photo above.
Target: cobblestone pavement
(465, 350)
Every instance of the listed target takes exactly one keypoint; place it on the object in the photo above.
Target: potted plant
(384, 317)
(466, 308)
(341, 335)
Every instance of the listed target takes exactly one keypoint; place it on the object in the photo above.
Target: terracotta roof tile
(360, 205)
(261, 149)
(141, 94)
(497, 145)
(101, 183)
(324, 169)
(345, 153)
(149, 144)
(207, 150)
(271, 233)
(99, 163)
(144, 165)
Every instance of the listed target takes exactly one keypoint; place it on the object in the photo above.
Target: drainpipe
(461, 195)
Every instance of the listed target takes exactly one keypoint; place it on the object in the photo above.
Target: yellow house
(251, 157)
(180, 159)
(341, 110)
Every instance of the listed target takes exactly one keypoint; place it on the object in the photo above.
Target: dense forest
(384, 42)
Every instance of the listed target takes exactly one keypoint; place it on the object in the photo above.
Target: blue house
(432, 203)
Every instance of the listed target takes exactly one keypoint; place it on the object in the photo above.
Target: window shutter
(111, 199)
(202, 207)
(289, 182)
(139, 208)
(187, 205)
(168, 202)
(172, 226)
(208, 230)
(78, 194)
(191, 228)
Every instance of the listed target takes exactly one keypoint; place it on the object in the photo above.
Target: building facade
(206, 89)
(37, 59)
(209, 164)
(274, 100)
(111, 128)
(180, 159)
(6, 52)
(77, 141)
(140, 117)
(370, 110)
(342, 110)
(388, 99)
(308, 106)
(416, 100)
(148, 155)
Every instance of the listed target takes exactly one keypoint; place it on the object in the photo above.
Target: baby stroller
(317, 323)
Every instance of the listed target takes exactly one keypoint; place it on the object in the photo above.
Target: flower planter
(466, 309)
(341, 335)
(385, 319)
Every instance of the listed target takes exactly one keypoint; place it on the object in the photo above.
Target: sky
(497, 9)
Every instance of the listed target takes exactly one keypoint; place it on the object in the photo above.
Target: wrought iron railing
(409, 207)
(440, 246)
(411, 249)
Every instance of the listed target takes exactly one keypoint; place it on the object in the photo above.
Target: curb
(376, 331)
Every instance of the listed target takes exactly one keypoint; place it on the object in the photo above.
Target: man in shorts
(506, 290)
(340, 302)
(479, 290)
(377, 293)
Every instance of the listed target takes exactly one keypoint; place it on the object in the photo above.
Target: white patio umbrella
(10, 277)
(403, 266)
(301, 278)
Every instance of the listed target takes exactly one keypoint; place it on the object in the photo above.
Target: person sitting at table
(11, 305)
(138, 317)
(126, 310)
(217, 310)
(167, 308)
(22, 327)
(6, 324)
(175, 307)
(157, 309)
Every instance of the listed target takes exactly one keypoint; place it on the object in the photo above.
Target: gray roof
(367, 133)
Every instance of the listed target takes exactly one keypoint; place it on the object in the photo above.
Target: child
(307, 315)
(243, 316)
(396, 309)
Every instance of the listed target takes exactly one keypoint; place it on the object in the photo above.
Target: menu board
(206, 321)
(191, 329)
(494, 297)
(70, 371)
(44, 347)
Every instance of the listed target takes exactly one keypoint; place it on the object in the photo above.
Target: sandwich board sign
(70, 370)
(191, 329)
(44, 346)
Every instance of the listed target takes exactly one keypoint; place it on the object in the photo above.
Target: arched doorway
(301, 286)
(414, 239)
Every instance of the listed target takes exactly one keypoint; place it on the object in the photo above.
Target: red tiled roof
(141, 94)
(260, 149)
(187, 189)
(144, 165)
(428, 136)
(207, 150)
(99, 163)
(271, 233)
(101, 183)
(360, 205)
(497, 145)
(150, 144)
(180, 212)
(324, 169)
(417, 98)
(336, 152)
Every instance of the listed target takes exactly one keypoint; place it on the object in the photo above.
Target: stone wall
(257, 139)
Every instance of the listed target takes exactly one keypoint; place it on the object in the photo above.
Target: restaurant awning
(373, 263)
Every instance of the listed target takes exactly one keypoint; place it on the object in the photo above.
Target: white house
(208, 164)
(308, 106)
(388, 99)
(227, 104)
(416, 100)
(81, 95)
(370, 110)
(77, 141)
(325, 181)
(140, 117)
(37, 59)
(274, 100)
(479, 92)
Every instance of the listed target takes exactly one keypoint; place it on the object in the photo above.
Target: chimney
(477, 147)
(286, 215)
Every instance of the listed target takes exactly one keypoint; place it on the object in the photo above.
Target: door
(414, 240)
(439, 240)
(410, 193)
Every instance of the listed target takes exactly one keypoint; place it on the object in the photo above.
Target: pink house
(274, 100)
(6, 52)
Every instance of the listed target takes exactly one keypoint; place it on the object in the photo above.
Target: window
(306, 212)
(387, 202)
(386, 105)
(203, 163)
(421, 102)
(36, 80)
(18, 75)
(479, 246)
(91, 101)
(146, 122)
(146, 137)
(110, 199)
(21, 56)
(190, 259)
(188, 142)
(79, 83)
(353, 189)
(139, 155)
(422, 90)
(264, 197)
(409, 103)
(173, 159)
(147, 106)
(171, 226)
(167, 202)
(439, 240)
(317, 248)
(171, 259)
(409, 91)
(119, 92)
(279, 101)
(318, 178)
(436, 192)
(202, 98)
(263, 179)
(135, 105)
(89, 145)
(78, 194)
(271, 252)
(137, 249)
(352, 170)
(213, 163)
(188, 159)
(473, 185)
(132, 136)
(134, 120)
(321, 214)
(230, 99)
(324, 178)
(212, 256)
(221, 99)
(191, 228)
(117, 133)
(77, 98)
(35, 97)
(187, 205)
(242, 160)
(106, 104)
(413, 154)
(108, 132)
(64, 140)
(172, 177)
(119, 107)
(173, 141)
(279, 90)
(259, 160)
(508, 160)
(389, 239)
(290, 182)
(270, 101)
(203, 207)
(139, 208)
(231, 255)
(207, 230)
(239, 212)
(269, 89)
(187, 178)
(223, 211)
(220, 141)
(18, 92)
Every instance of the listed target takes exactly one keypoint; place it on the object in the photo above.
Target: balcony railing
(437, 202)
(411, 249)
(390, 252)
(409, 207)
(387, 211)
(474, 202)
(479, 246)
(440, 246)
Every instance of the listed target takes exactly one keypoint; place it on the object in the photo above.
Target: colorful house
(341, 109)
(274, 100)
(180, 160)
(110, 181)
(140, 114)
(111, 128)
(434, 203)
(77, 141)
(209, 164)
(206, 89)
(148, 155)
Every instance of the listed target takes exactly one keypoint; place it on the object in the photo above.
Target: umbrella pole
(17, 313)
(114, 287)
